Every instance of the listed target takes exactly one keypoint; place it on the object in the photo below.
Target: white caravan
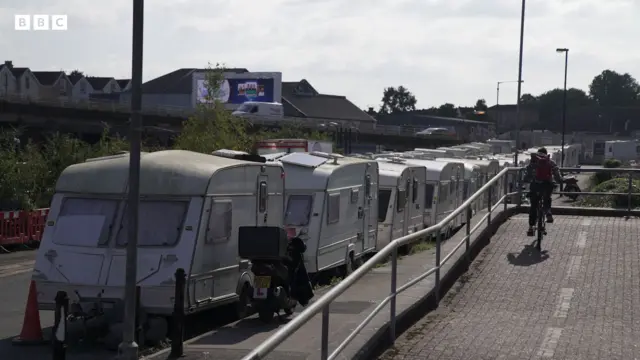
(401, 199)
(332, 206)
(191, 206)
(440, 199)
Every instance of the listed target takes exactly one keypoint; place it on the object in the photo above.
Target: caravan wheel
(349, 266)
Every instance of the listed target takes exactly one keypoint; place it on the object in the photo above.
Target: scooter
(280, 279)
(571, 186)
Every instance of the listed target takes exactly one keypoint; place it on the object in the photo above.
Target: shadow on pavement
(240, 331)
(528, 256)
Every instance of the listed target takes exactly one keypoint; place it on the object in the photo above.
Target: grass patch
(415, 248)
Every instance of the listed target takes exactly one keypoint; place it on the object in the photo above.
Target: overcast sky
(442, 50)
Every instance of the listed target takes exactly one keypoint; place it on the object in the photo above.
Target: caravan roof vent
(325, 155)
(232, 154)
(397, 160)
(238, 155)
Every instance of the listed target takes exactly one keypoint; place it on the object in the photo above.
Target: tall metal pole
(128, 349)
(519, 82)
(498, 105)
(564, 104)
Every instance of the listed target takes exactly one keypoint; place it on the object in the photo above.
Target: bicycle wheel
(540, 229)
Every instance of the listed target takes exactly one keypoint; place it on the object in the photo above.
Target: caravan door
(370, 210)
(263, 201)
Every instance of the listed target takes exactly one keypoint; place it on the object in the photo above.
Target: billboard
(236, 89)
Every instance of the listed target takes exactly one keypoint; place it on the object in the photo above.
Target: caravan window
(383, 204)
(85, 222)
(415, 191)
(262, 196)
(401, 200)
(220, 222)
(428, 196)
(333, 208)
(160, 223)
(298, 210)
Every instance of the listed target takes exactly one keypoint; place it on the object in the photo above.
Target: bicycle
(541, 225)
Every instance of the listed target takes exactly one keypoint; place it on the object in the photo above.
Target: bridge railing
(322, 305)
(322, 124)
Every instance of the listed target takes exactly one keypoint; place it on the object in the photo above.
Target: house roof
(47, 78)
(17, 72)
(310, 103)
(123, 82)
(75, 78)
(98, 83)
(178, 81)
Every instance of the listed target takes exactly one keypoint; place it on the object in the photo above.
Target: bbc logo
(41, 22)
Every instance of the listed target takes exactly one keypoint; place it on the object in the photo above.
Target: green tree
(551, 102)
(212, 127)
(397, 100)
(76, 72)
(614, 89)
(481, 105)
(528, 99)
(447, 110)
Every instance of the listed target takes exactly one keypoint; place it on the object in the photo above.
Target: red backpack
(544, 169)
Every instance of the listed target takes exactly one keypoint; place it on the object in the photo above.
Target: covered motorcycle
(280, 277)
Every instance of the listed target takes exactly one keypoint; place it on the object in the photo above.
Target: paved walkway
(234, 341)
(579, 300)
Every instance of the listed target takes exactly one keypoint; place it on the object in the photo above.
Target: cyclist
(541, 172)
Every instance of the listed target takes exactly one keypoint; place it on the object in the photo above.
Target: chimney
(371, 109)
(9, 64)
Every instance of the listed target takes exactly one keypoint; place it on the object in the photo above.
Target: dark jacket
(530, 171)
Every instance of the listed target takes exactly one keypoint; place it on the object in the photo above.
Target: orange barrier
(22, 227)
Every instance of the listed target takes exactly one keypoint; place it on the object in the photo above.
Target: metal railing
(365, 127)
(322, 305)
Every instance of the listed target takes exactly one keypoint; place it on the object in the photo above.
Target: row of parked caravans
(192, 205)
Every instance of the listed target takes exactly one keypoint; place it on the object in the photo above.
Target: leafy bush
(601, 177)
(616, 185)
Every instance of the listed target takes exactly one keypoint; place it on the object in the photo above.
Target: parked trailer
(623, 150)
(442, 182)
(191, 207)
(401, 199)
(332, 205)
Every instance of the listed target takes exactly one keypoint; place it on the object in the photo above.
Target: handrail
(323, 303)
(389, 250)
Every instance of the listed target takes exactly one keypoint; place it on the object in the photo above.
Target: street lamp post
(128, 348)
(564, 101)
(519, 81)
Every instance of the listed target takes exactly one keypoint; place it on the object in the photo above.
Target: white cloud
(442, 50)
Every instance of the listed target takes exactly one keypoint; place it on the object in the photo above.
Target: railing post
(177, 345)
(468, 232)
(60, 326)
(438, 257)
(489, 205)
(324, 347)
(519, 187)
(505, 180)
(392, 305)
(630, 189)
